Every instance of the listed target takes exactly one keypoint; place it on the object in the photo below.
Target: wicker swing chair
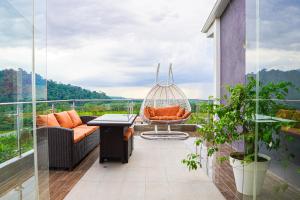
(165, 104)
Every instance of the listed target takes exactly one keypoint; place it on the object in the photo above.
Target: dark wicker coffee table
(112, 129)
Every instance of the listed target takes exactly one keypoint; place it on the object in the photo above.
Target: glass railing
(16, 118)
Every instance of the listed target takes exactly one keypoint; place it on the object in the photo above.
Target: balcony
(76, 121)
(154, 171)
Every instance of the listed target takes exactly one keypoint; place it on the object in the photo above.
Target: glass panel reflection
(273, 59)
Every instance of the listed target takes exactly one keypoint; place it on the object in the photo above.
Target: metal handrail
(67, 100)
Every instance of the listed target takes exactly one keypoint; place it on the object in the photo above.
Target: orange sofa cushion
(47, 120)
(79, 134)
(88, 129)
(74, 117)
(181, 112)
(64, 119)
(167, 111)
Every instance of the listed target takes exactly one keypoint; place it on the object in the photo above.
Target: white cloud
(191, 90)
(113, 44)
(272, 59)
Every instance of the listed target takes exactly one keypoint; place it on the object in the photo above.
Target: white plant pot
(244, 175)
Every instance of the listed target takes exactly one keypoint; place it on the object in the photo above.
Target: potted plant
(235, 118)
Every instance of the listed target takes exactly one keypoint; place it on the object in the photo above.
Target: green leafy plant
(235, 118)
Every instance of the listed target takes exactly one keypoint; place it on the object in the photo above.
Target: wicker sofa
(69, 138)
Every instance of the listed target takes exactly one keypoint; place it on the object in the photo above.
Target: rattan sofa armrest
(58, 128)
(86, 119)
(60, 133)
(60, 146)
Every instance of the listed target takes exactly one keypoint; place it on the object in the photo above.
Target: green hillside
(293, 76)
(15, 85)
(66, 91)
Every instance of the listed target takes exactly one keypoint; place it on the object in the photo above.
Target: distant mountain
(15, 85)
(293, 76)
(117, 97)
(66, 91)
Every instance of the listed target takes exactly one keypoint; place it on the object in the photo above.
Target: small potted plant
(235, 118)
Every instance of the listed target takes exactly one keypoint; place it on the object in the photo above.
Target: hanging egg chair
(165, 104)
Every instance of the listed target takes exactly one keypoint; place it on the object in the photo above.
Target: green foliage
(235, 118)
(8, 145)
(191, 161)
(12, 81)
(59, 91)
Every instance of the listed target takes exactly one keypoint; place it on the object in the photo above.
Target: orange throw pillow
(146, 112)
(186, 115)
(74, 117)
(180, 112)
(167, 111)
(151, 111)
(173, 110)
(64, 119)
(47, 120)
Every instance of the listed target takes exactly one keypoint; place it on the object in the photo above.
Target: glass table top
(115, 117)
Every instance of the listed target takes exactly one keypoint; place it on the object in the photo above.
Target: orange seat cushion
(74, 117)
(186, 115)
(79, 134)
(88, 129)
(167, 111)
(154, 118)
(181, 112)
(64, 119)
(168, 118)
(47, 120)
(128, 134)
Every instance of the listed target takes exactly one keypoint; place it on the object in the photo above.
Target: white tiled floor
(154, 172)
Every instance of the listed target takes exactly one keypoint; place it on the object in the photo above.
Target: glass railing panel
(101, 107)
(26, 135)
(41, 139)
(8, 137)
(272, 53)
(16, 41)
(19, 169)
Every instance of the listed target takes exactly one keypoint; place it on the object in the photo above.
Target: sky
(279, 46)
(115, 45)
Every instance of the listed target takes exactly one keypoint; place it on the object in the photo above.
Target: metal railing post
(128, 107)
(73, 105)
(131, 107)
(52, 108)
(18, 115)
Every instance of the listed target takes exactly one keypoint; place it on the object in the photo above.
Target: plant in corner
(236, 119)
